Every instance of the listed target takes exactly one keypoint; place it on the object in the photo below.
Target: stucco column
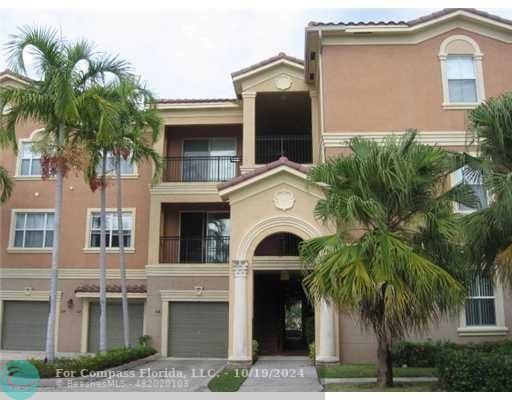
(240, 315)
(249, 129)
(327, 341)
(315, 126)
(155, 218)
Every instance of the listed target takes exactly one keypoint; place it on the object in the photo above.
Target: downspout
(321, 93)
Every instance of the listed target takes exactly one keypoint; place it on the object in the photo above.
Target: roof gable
(261, 173)
(281, 61)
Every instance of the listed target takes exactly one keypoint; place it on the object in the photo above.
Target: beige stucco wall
(395, 87)
(39, 194)
(358, 344)
(70, 318)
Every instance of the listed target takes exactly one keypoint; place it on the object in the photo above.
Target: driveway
(283, 374)
(154, 376)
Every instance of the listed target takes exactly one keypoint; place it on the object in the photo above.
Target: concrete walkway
(282, 374)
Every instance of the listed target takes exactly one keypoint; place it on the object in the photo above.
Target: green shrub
(427, 354)
(144, 340)
(311, 351)
(469, 370)
(255, 350)
(101, 361)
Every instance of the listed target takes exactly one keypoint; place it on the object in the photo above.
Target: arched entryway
(283, 316)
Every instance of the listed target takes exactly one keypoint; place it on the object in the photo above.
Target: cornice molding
(187, 270)
(67, 273)
(440, 138)
(194, 295)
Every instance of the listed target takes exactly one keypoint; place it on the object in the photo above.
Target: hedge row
(473, 367)
(427, 354)
(99, 362)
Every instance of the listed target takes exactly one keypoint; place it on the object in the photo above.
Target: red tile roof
(258, 171)
(111, 288)
(280, 56)
(420, 20)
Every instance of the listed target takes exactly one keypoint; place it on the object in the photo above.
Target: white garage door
(24, 325)
(115, 324)
(198, 329)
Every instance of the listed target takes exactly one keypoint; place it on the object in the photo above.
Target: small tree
(136, 115)
(489, 230)
(395, 259)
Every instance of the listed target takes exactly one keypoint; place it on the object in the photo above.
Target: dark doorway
(283, 320)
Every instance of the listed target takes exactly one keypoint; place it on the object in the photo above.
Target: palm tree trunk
(52, 315)
(122, 264)
(384, 361)
(103, 269)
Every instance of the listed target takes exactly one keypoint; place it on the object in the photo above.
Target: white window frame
(88, 249)
(454, 181)
(499, 329)
(18, 175)
(447, 50)
(12, 231)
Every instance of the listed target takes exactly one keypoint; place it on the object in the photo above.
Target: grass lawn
(228, 380)
(369, 371)
(370, 387)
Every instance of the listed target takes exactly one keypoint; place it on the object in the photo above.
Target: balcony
(200, 168)
(199, 250)
(296, 148)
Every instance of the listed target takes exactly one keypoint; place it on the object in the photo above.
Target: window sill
(31, 178)
(29, 250)
(94, 250)
(483, 331)
(460, 106)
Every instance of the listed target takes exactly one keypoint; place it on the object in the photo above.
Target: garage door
(24, 325)
(114, 324)
(198, 329)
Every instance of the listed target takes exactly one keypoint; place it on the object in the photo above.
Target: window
(480, 306)
(462, 175)
(204, 237)
(30, 163)
(127, 166)
(461, 72)
(209, 160)
(112, 236)
(461, 78)
(33, 230)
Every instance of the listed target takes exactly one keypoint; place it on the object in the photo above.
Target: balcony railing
(209, 249)
(200, 169)
(295, 147)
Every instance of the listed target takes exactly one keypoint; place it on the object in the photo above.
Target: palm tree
(489, 230)
(136, 114)
(395, 259)
(5, 185)
(54, 98)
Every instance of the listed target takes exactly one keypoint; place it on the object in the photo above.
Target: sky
(191, 53)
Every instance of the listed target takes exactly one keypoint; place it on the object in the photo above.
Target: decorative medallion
(283, 82)
(284, 200)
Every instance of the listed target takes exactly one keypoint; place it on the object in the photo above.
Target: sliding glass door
(209, 160)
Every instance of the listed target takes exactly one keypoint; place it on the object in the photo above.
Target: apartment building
(212, 248)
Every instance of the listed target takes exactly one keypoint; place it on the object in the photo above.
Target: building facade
(212, 247)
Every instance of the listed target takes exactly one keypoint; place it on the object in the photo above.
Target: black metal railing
(194, 250)
(200, 169)
(295, 147)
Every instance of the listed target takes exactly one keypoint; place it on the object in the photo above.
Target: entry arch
(270, 226)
